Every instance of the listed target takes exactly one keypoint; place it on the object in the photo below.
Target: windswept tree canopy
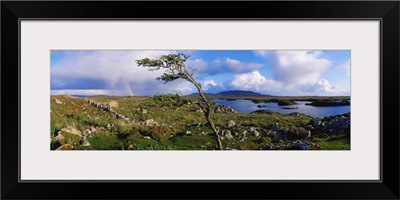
(174, 64)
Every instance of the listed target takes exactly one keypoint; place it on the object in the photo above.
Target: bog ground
(173, 122)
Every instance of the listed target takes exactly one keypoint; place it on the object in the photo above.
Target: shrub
(158, 132)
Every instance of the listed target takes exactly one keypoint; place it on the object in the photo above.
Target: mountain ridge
(242, 93)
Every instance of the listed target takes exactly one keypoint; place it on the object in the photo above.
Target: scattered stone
(59, 138)
(228, 135)
(230, 124)
(58, 101)
(109, 126)
(298, 132)
(275, 127)
(65, 147)
(217, 110)
(71, 130)
(86, 132)
(149, 122)
(113, 104)
(256, 133)
(85, 142)
(308, 127)
(92, 129)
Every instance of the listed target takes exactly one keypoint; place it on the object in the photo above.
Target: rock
(303, 146)
(298, 132)
(308, 127)
(256, 133)
(146, 137)
(107, 109)
(144, 111)
(86, 132)
(221, 132)
(317, 123)
(200, 110)
(228, 135)
(109, 126)
(59, 138)
(57, 101)
(230, 124)
(242, 138)
(251, 129)
(188, 132)
(113, 104)
(149, 122)
(275, 127)
(65, 147)
(217, 110)
(85, 142)
(92, 129)
(130, 146)
(271, 134)
(71, 130)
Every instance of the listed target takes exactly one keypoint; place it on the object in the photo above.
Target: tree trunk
(217, 138)
(207, 111)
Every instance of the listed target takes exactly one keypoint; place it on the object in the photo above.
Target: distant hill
(231, 93)
(241, 93)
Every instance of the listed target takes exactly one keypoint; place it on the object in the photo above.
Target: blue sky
(280, 73)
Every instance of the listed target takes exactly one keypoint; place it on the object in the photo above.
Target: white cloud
(294, 68)
(254, 81)
(222, 66)
(345, 66)
(211, 86)
(207, 83)
(116, 69)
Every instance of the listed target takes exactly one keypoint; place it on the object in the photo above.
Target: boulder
(149, 122)
(317, 123)
(275, 127)
(57, 101)
(60, 138)
(85, 142)
(217, 110)
(71, 130)
(298, 132)
(308, 127)
(113, 104)
(86, 132)
(146, 137)
(65, 147)
(256, 133)
(228, 135)
(230, 124)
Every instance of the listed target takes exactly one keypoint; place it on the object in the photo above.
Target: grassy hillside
(172, 122)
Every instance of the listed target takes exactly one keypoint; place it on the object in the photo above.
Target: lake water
(247, 106)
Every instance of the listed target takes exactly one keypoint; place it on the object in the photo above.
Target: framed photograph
(287, 100)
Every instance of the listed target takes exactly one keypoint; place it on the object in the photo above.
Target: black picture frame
(13, 11)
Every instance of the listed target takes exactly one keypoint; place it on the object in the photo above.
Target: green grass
(175, 115)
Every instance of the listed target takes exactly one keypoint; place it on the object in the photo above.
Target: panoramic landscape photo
(200, 100)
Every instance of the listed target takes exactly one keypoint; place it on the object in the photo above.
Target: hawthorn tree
(174, 65)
